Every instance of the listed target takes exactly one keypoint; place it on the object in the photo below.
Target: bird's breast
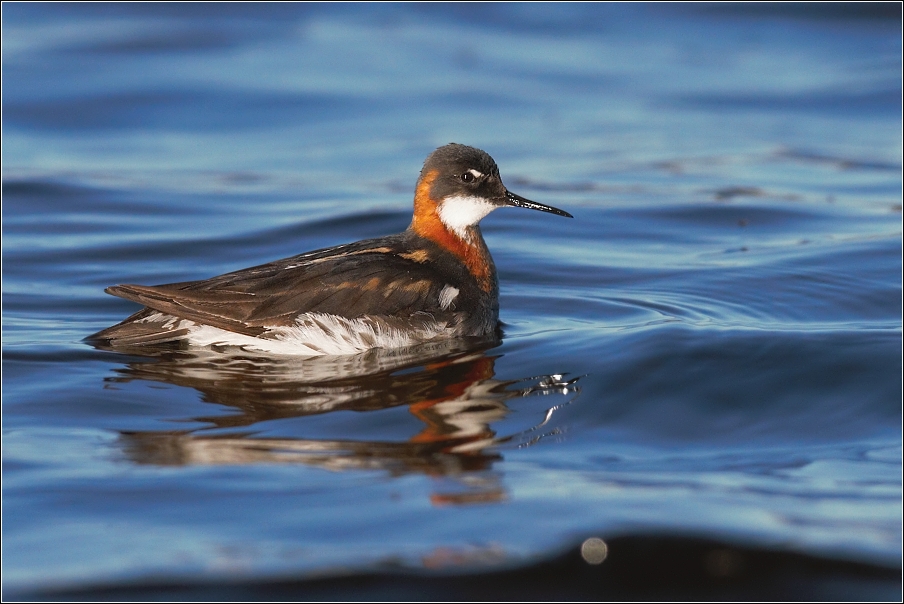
(465, 244)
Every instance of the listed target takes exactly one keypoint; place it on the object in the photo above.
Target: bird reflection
(449, 386)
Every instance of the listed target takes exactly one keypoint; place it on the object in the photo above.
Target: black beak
(519, 202)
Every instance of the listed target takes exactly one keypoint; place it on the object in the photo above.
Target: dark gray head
(463, 169)
(462, 185)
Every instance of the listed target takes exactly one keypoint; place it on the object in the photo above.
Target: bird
(434, 280)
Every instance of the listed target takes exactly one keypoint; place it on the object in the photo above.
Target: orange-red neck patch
(427, 223)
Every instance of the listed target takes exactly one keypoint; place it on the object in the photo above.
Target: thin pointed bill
(519, 202)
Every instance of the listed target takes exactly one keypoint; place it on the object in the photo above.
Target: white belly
(313, 334)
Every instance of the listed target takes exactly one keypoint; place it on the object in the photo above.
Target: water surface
(711, 349)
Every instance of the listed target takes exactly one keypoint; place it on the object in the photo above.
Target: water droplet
(594, 550)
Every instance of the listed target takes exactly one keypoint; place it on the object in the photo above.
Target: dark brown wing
(367, 278)
(137, 331)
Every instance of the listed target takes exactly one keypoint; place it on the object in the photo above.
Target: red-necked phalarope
(434, 280)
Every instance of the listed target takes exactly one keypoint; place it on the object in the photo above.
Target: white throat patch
(459, 212)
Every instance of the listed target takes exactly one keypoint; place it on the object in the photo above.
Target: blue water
(711, 348)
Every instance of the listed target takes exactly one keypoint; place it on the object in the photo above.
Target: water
(711, 349)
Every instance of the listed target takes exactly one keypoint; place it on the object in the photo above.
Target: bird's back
(397, 288)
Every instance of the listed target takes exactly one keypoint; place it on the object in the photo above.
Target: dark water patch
(553, 81)
(630, 567)
(728, 193)
(37, 189)
(583, 308)
(50, 201)
(535, 19)
(61, 355)
(53, 405)
(25, 201)
(840, 163)
(474, 100)
(717, 217)
(363, 225)
(826, 285)
(817, 289)
(815, 11)
(661, 385)
(65, 307)
(186, 110)
(205, 10)
(175, 42)
(836, 102)
(571, 187)
(71, 226)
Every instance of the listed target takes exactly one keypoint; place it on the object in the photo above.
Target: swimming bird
(434, 280)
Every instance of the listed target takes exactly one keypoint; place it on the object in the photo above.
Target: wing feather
(351, 283)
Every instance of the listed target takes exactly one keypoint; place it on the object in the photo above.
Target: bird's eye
(467, 177)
